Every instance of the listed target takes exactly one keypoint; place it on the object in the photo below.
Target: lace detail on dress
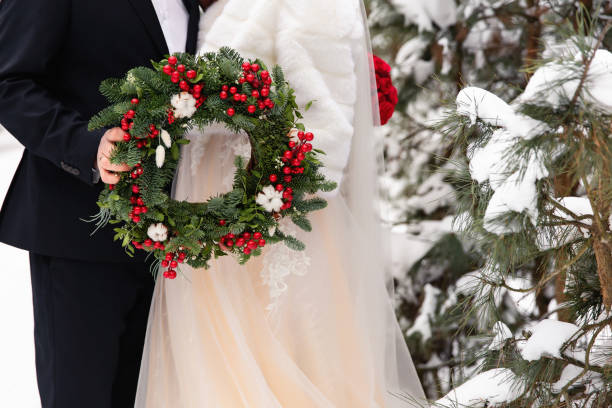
(279, 263)
(235, 144)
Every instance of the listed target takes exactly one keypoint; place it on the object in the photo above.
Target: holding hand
(105, 167)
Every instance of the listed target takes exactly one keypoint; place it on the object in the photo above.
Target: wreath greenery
(155, 107)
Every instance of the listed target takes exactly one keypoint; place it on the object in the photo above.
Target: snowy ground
(17, 374)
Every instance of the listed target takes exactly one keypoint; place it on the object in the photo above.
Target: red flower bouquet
(387, 93)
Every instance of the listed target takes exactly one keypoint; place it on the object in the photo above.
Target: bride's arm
(313, 46)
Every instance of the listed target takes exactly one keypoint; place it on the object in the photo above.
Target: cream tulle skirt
(289, 329)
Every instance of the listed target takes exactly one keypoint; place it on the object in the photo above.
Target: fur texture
(312, 41)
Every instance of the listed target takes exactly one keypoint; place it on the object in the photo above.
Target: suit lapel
(146, 13)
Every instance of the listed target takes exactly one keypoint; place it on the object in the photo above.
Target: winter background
(17, 374)
(435, 48)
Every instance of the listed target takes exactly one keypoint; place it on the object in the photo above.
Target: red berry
(165, 263)
(287, 179)
(135, 189)
(252, 109)
(286, 170)
(148, 242)
(168, 69)
(300, 135)
(136, 210)
(246, 235)
(252, 244)
(262, 242)
(246, 250)
(237, 97)
(233, 90)
(255, 67)
(265, 92)
(265, 74)
(170, 274)
(169, 256)
(127, 137)
(135, 101)
(231, 111)
(300, 156)
(288, 154)
(173, 264)
(243, 98)
(246, 66)
(260, 105)
(309, 136)
(191, 74)
(130, 114)
(255, 83)
(197, 88)
(184, 86)
(257, 235)
(172, 60)
(222, 222)
(308, 147)
(240, 242)
(250, 77)
(144, 210)
(295, 162)
(255, 94)
(292, 144)
(229, 243)
(180, 68)
(157, 245)
(225, 87)
(111, 187)
(152, 127)
(175, 77)
(182, 255)
(279, 187)
(273, 178)
(223, 95)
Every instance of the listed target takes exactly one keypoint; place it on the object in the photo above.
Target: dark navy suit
(90, 299)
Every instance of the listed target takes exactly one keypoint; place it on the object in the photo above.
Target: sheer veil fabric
(289, 329)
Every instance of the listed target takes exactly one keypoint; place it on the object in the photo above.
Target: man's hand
(105, 167)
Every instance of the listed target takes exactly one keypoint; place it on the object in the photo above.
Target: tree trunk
(534, 32)
(603, 255)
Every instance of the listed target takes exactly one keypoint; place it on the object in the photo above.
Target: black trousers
(89, 327)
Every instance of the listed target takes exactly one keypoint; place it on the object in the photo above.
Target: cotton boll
(158, 232)
(160, 156)
(165, 137)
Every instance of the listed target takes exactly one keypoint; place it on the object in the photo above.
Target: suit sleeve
(314, 48)
(32, 33)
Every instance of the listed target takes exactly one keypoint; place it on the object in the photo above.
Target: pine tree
(436, 49)
(536, 193)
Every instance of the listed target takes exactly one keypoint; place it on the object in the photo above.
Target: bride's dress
(289, 329)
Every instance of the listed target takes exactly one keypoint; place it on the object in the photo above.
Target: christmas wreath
(155, 107)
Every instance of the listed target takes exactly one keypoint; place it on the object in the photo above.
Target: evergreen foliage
(453, 288)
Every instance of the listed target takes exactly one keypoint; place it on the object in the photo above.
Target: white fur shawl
(312, 41)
